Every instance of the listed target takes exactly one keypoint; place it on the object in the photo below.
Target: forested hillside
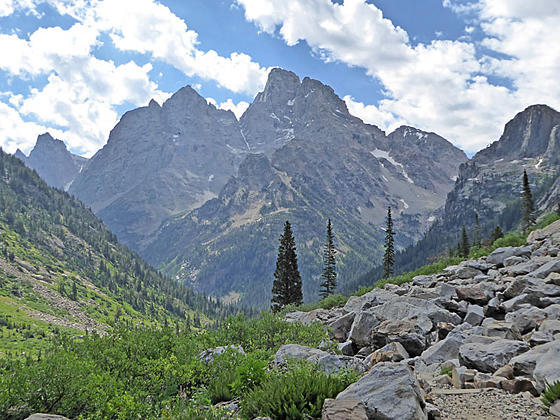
(62, 269)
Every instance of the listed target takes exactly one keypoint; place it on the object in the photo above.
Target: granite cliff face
(160, 161)
(490, 183)
(310, 160)
(53, 162)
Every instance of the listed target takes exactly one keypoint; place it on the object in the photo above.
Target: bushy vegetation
(551, 394)
(158, 373)
(297, 393)
(331, 301)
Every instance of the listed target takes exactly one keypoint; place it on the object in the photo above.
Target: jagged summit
(532, 133)
(52, 161)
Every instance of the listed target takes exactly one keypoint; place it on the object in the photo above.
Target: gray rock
(406, 332)
(327, 362)
(209, 355)
(475, 315)
(525, 363)
(551, 326)
(390, 391)
(341, 326)
(408, 307)
(501, 329)
(392, 352)
(344, 409)
(490, 357)
(474, 295)
(547, 369)
(526, 319)
(443, 350)
(546, 269)
(347, 348)
(517, 302)
(513, 261)
(538, 337)
(467, 272)
(498, 256)
(555, 409)
(363, 325)
(523, 268)
(553, 311)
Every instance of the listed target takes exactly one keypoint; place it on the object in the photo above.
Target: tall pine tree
(527, 205)
(465, 247)
(477, 233)
(287, 285)
(329, 265)
(389, 257)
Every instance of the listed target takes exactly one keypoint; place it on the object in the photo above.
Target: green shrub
(297, 393)
(329, 302)
(446, 370)
(550, 394)
(362, 290)
(511, 239)
(249, 374)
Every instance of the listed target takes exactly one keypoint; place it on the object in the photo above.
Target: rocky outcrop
(53, 162)
(514, 349)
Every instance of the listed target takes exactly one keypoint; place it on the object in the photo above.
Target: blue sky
(461, 68)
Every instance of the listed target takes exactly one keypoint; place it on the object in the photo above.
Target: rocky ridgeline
(478, 340)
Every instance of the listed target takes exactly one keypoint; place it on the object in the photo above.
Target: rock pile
(489, 326)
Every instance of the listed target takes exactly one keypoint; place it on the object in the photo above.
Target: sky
(460, 68)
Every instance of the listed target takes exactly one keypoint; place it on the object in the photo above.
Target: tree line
(287, 284)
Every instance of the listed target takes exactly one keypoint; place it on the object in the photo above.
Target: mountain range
(203, 196)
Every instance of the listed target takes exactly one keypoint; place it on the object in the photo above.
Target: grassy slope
(61, 269)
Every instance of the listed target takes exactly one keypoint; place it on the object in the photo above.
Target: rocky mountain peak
(20, 155)
(53, 162)
(281, 86)
(532, 133)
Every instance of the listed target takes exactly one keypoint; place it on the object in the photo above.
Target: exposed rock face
(492, 178)
(160, 161)
(53, 162)
(310, 160)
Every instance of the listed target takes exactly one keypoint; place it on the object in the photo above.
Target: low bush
(297, 393)
(551, 394)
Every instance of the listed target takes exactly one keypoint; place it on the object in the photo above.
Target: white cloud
(443, 86)
(237, 108)
(82, 92)
(372, 114)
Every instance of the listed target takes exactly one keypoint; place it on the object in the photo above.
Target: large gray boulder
(492, 356)
(347, 409)
(407, 332)
(547, 369)
(526, 319)
(403, 307)
(498, 256)
(362, 327)
(340, 327)
(501, 329)
(544, 270)
(525, 363)
(444, 350)
(327, 362)
(390, 391)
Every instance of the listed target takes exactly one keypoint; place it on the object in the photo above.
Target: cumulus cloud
(80, 98)
(237, 108)
(445, 85)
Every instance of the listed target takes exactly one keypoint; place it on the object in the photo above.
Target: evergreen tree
(329, 265)
(287, 286)
(477, 235)
(464, 243)
(497, 234)
(389, 257)
(527, 205)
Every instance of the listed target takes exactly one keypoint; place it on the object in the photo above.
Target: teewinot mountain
(203, 196)
(308, 160)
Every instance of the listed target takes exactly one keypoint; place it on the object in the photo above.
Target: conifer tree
(329, 265)
(464, 243)
(477, 235)
(527, 205)
(287, 285)
(497, 234)
(389, 257)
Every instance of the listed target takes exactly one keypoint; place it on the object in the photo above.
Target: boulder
(408, 332)
(340, 327)
(505, 372)
(520, 301)
(370, 299)
(390, 391)
(498, 256)
(547, 369)
(501, 329)
(475, 315)
(546, 269)
(392, 352)
(553, 311)
(461, 375)
(327, 362)
(467, 272)
(551, 326)
(523, 268)
(347, 348)
(443, 350)
(346, 409)
(209, 355)
(473, 295)
(555, 409)
(408, 307)
(526, 319)
(518, 385)
(538, 337)
(525, 363)
(362, 327)
(491, 356)
(541, 234)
